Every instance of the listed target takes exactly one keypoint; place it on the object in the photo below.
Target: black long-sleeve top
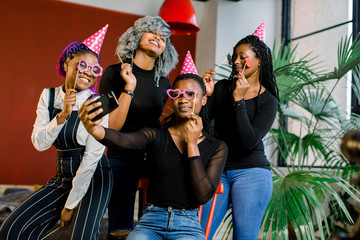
(174, 179)
(147, 105)
(242, 127)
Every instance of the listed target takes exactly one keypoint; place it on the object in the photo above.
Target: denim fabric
(161, 223)
(248, 191)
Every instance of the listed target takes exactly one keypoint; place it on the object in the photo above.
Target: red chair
(143, 184)
(219, 190)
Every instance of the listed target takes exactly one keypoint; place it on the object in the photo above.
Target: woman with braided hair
(80, 191)
(244, 108)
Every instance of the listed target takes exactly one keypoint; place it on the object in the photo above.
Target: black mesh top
(174, 179)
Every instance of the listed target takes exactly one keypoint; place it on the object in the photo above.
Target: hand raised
(69, 101)
(128, 76)
(193, 129)
(242, 85)
(209, 81)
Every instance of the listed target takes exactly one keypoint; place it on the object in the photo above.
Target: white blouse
(45, 133)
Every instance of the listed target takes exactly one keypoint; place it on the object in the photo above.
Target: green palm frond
(291, 73)
(349, 171)
(226, 67)
(336, 162)
(229, 226)
(348, 55)
(317, 103)
(290, 111)
(348, 59)
(352, 123)
(295, 148)
(294, 199)
(289, 141)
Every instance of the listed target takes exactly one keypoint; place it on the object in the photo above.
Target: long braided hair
(263, 52)
(171, 120)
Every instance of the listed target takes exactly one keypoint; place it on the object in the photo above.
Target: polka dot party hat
(260, 32)
(188, 65)
(95, 41)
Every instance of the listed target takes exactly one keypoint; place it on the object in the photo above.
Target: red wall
(33, 34)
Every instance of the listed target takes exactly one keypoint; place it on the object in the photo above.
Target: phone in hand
(108, 103)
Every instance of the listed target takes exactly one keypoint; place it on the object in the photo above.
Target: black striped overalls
(41, 211)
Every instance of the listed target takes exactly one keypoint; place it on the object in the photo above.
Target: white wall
(239, 19)
(324, 45)
(222, 22)
(148, 7)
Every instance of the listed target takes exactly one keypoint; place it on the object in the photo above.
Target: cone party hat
(188, 65)
(95, 41)
(260, 32)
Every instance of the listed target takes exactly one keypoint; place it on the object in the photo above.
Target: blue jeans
(162, 223)
(249, 192)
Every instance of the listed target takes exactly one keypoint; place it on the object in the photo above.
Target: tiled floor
(62, 233)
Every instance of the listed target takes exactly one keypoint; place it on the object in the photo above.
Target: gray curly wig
(129, 41)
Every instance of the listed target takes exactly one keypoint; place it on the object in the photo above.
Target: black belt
(63, 153)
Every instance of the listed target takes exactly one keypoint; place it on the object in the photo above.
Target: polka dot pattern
(95, 41)
(188, 65)
(260, 32)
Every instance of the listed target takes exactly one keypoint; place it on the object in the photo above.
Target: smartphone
(108, 103)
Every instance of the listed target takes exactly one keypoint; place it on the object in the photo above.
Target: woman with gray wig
(139, 81)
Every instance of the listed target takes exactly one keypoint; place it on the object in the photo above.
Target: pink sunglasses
(187, 93)
(96, 69)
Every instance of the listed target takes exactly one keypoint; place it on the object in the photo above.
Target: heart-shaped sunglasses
(187, 93)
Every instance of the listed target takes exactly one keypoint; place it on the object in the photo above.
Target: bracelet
(239, 103)
(131, 93)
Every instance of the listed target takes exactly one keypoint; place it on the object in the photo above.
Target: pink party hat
(188, 65)
(260, 32)
(94, 42)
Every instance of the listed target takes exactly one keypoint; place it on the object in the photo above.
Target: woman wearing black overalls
(80, 191)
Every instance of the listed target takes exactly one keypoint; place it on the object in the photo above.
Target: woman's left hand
(193, 128)
(127, 74)
(66, 216)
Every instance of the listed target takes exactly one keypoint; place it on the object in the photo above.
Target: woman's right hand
(97, 131)
(194, 129)
(69, 103)
(242, 85)
(209, 81)
(128, 76)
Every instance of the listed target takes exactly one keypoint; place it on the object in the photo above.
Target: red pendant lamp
(180, 15)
